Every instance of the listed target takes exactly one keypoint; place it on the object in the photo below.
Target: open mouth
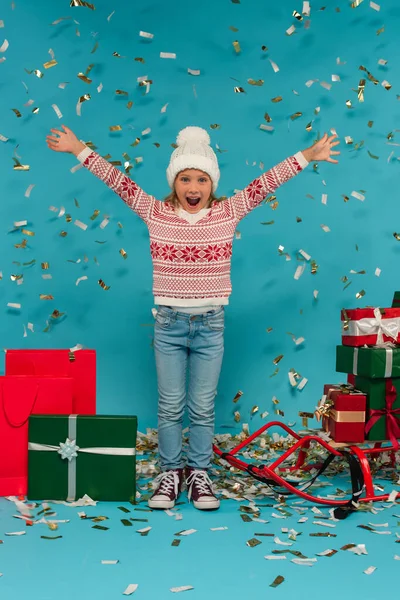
(193, 200)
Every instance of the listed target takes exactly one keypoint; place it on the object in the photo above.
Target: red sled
(80, 366)
(21, 397)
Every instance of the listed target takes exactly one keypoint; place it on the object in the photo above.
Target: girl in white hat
(191, 235)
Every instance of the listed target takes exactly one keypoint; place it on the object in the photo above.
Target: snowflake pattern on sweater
(191, 261)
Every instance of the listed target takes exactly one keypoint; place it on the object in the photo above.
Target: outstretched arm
(244, 201)
(124, 186)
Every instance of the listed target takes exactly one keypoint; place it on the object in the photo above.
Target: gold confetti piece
(349, 104)
(380, 30)
(239, 90)
(237, 396)
(115, 128)
(386, 85)
(56, 314)
(236, 416)
(277, 581)
(16, 277)
(123, 253)
(253, 542)
(360, 93)
(103, 285)
(16, 111)
(76, 203)
(360, 294)
(50, 63)
(296, 115)
(95, 215)
(36, 72)
(277, 99)
(121, 93)
(356, 3)
(48, 537)
(372, 155)
(278, 359)
(136, 142)
(254, 410)
(258, 82)
(21, 245)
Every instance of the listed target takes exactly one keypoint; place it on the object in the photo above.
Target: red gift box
(345, 418)
(370, 326)
(21, 397)
(79, 365)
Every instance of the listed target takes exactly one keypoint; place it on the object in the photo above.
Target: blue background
(118, 323)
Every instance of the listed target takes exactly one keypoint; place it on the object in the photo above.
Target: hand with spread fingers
(64, 141)
(322, 150)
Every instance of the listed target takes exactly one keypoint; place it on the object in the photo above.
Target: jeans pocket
(163, 321)
(216, 323)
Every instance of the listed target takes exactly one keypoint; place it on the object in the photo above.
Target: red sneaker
(200, 489)
(168, 486)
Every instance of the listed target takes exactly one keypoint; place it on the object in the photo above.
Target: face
(193, 189)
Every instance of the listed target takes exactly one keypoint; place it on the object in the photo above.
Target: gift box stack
(53, 445)
(368, 406)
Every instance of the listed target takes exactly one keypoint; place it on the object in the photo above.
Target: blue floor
(218, 564)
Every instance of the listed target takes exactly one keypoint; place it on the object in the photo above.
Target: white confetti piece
(80, 225)
(110, 15)
(310, 82)
(63, 85)
(20, 223)
(382, 62)
(104, 223)
(188, 532)
(4, 46)
(291, 30)
(164, 108)
(358, 549)
(324, 199)
(280, 543)
(167, 55)
(393, 494)
(324, 523)
(375, 6)
(325, 552)
(110, 562)
(16, 533)
(275, 557)
(299, 271)
(76, 168)
(292, 379)
(396, 557)
(315, 294)
(1, 23)
(379, 524)
(304, 254)
(266, 127)
(218, 528)
(298, 341)
(147, 35)
(358, 196)
(144, 530)
(99, 88)
(303, 520)
(306, 8)
(194, 72)
(274, 66)
(13, 305)
(132, 587)
(370, 570)
(3, 138)
(57, 111)
(302, 383)
(335, 78)
(83, 278)
(29, 189)
(325, 228)
(326, 85)
(305, 562)
(386, 84)
(146, 131)
(182, 588)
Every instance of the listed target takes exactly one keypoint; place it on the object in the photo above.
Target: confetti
(167, 55)
(132, 587)
(253, 543)
(277, 581)
(146, 35)
(182, 588)
(375, 6)
(370, 570)
(109, 562)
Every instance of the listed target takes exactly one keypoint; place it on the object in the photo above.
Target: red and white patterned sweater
(191, 262)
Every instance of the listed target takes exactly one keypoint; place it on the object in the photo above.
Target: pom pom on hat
(193, 152)
(192, 135)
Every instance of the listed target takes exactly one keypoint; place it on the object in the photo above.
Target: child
(191, 245)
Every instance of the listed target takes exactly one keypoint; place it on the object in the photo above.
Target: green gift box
(368, 362)
(383, 407)
(70, 456)
(396, 300)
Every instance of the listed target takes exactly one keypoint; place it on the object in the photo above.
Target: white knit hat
(193, 152)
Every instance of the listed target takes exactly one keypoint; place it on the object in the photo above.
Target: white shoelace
(202, 481)
(167, 481)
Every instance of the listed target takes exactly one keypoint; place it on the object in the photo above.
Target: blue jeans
(194, 343)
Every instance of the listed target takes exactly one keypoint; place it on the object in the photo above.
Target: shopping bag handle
(24, 420)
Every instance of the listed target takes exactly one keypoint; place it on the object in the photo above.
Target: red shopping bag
(21, 397)
(80, 365)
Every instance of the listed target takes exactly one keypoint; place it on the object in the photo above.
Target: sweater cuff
(83, 154)
(299, 156)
